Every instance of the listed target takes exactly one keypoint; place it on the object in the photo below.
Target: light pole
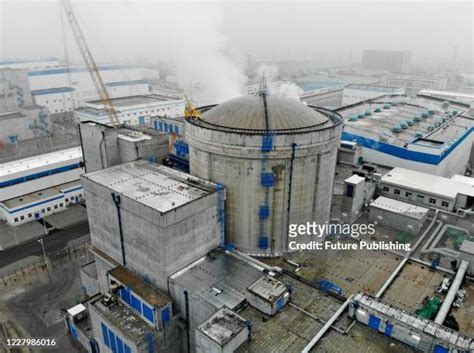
(41, 241)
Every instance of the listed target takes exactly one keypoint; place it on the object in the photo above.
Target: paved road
(56, 240)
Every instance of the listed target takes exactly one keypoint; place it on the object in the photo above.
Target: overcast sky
(265, 30)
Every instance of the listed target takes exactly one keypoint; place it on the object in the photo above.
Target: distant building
(355, 93)
(20, 118)
(62, 89)
(39, 186)
(329, 97)
(423, 133)
(133, 110)
(414, 84)
(37, 63)
(387, 60)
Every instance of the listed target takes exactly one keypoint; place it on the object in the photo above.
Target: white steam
(275, 85)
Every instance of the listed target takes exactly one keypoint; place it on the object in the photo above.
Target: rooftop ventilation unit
(404, 124)
(377, 110)
(386, 106)
(397, 128)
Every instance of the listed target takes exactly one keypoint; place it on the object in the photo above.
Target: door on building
(141, 120)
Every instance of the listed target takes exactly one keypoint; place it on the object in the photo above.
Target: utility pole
(41, 241)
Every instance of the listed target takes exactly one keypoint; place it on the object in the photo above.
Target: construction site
(134, 220)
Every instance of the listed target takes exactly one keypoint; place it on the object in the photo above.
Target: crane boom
(90, 63)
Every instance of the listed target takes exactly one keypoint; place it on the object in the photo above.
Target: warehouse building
(35, 187)
(355, 93)
(414, 84)
(423, 133)
(398, 215)
(29, 63)
(133, 110)
(427, 190)
(327, 97)
(62, 89)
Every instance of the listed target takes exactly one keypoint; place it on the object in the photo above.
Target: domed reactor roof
(248, 113)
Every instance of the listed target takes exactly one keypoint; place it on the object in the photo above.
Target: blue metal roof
(26, 61)
(64, 70)
(126, 83)
(41, 92)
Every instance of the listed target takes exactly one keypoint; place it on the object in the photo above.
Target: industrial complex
(337, 220)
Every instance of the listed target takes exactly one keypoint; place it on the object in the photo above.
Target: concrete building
(355, 93)
(275, 156)
(427, 190)
(462, 97)
(133, 110)
(386, 60)
(62, 89)
(35, 187)
(423, 133)
(349, 153)
(328, 97)
(105, 146)
(157, 221)
(414, 84)
(20, 118)
(398, 215)
(354, 198)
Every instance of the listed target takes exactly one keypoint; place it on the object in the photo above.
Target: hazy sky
(265, 30)
(209, 43)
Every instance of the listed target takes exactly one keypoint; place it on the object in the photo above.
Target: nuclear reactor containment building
(275, 156)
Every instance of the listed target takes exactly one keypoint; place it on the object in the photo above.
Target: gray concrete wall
(235, 161)
(396, 220)
(155, 244)
(14, 90)
(100, 146)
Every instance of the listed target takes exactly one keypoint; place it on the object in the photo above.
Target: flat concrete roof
(153, 185)
(354, 179)
(399, 207)
(128, 323)
(39, 195)
(427, 183)
(134, 100)
(223, 326)
(146, 291)
(35, 162)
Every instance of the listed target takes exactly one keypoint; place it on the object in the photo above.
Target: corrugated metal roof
(247, 112)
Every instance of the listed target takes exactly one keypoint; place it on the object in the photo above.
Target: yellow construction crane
(90, 63)
(189, 110)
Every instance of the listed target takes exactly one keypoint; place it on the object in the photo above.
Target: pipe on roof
(448, 301)
(327, 326)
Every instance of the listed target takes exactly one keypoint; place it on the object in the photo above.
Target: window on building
(43, 210)
(445, 203)
(61, 204)
(30, 215)
(49, 208)
(432, 201)
(67, 200)
(396, 192)
(386, 189)
(16, 219)
(408, 194)
(55, 206)
(22, 218)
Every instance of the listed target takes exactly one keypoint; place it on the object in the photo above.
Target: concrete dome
(247, 112)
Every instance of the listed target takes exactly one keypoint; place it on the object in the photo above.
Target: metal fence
(41, 265)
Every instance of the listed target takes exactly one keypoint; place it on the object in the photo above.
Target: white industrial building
(35, 187)
(328, 97)
(355, 93)
(427, 189)
(413, 84)
(132, 110)
(61, 89)
(462, 97)
(420, 133)
(31, 63)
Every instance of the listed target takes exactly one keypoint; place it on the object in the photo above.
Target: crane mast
(90, 63)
